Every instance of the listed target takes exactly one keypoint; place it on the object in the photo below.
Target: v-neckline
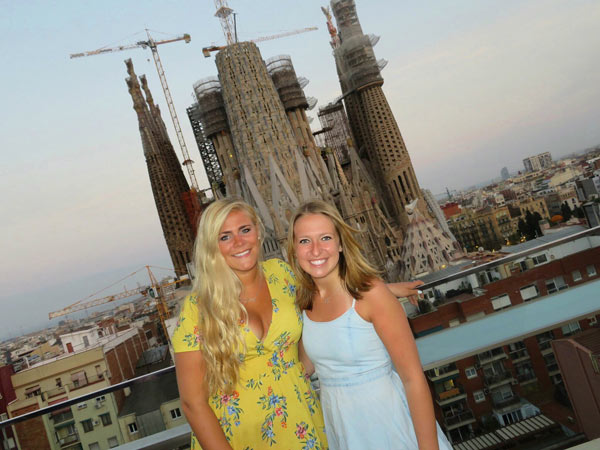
(266, 334)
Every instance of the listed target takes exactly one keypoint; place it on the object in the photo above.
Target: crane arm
(213, 48)
(280, 35)
(99, 301)
(141, 44)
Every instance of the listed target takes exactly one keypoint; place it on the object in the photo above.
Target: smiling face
(239, 242)
(317, 246)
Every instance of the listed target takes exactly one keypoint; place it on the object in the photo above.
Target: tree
(532, 226)
(566, 211)
(424, 306)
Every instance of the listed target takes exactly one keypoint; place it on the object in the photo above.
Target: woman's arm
(406, 289)
(193, 392)
(389, 320)
(305, 360)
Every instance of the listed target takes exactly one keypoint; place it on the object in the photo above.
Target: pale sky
(474, 86)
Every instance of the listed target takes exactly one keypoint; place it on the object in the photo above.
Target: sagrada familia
(255, 140)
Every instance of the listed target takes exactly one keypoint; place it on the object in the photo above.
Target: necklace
(258, 281)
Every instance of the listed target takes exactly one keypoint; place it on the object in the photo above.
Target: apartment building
(90, 424)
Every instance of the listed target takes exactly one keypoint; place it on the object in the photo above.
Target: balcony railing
(442, 372)
(525, 377)
(59, 390)
(491, 355)
(69, 439)
(500, 404)
(449, 396)
(86, 382)
(62, 417)
(460, 419)
(498, 379)
(519, 355)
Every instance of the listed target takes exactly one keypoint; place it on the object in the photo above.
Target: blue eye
(303, 241)
(246, 230)
(326, 238)
(224, 237)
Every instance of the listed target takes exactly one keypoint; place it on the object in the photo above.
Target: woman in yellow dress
(237, 343)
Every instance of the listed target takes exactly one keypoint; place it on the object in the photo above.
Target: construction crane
(152, 45)
(155, 290)
(213, 48)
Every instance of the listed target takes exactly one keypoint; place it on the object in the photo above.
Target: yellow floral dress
(273, 405)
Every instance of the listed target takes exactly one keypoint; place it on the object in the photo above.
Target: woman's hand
(407, 289)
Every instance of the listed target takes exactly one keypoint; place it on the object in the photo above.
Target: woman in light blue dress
(355, 332)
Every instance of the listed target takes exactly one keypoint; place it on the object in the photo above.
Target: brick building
(516, 375)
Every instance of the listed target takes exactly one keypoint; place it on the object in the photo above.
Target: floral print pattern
(273, 405)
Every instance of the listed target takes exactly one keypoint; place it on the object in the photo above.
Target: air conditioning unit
(514, 381)
(477, 366)
(82, 405)
(96, 423)
(98, 405)
(486, 391)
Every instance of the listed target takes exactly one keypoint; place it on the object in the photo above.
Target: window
(175, 413)
(132, 428)
(113, 442)
(556, 284)
(94, 446)
(478, 396)
(470, 372)
(571, 328)
(106, 420)
(87, 425)
(32, 391)
(540, 259)
(3, 417)
(501, 302)
(58, 382)
(86, 341)
(101, 399)
(454, 323)
(591, 270)
(576, 274)
(79, 379)
(529, 292)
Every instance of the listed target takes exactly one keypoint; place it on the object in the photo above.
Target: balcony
(498, 379)
(450, 396)
(501, 405)
(69, 439)
(86, 382)
(519, 355)
(62, 417)
(59, 390)
(526, 378)
(490, 356)
(458, 420)
(444, 372)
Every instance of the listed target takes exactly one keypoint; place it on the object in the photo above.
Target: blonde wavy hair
(217, 290)
(355, 271)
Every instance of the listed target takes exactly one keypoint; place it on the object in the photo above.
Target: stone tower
(169, 185)
(376, 132)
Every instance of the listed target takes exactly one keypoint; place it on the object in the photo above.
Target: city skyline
(467, 83)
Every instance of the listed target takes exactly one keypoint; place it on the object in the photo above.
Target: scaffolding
(211, 106)
(356, 60)
(208, 153)
(336, 133)
(281, 71)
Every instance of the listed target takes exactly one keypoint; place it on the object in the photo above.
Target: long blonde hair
(217, 289)
(355, 271)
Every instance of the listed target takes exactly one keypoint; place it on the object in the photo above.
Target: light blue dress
(363, 399)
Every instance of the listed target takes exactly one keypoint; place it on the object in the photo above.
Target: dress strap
(353, 302)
